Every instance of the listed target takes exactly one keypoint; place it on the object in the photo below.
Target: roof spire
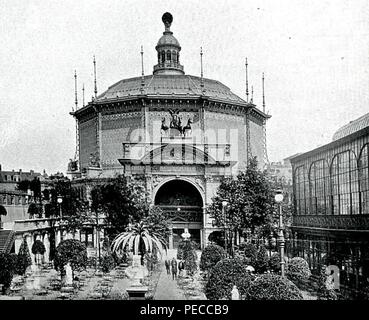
(202, 72)
(247, 83)
(142, 72)
(252, 94)
(83, 95)
(95, 78)
(262, 80)
(75, 90)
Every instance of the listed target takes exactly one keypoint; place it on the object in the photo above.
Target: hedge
(210, 256)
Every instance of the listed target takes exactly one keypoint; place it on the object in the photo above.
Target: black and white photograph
(196, 151)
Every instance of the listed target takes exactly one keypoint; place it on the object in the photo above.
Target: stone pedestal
(137, 292)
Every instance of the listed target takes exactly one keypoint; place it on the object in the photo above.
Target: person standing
(174, 268)
(167, 266)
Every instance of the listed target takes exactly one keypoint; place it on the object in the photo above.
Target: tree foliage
(7, 268)
(250, 251)
(250, 200)
(210, 256)
(38, 247)
(298, 271)
(73, 252)
(140, 238)
(24, 258)
(272, 287)
(323, 292)
(188, 255)
(223, 276)
(121, 201)
(262, 260)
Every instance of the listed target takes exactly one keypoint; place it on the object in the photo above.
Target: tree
(187, 252)
(24, 258)
(7, 267)
(210, 256)
(122, 202)
(2, 213)
(73, 252)
(140, 238)
(38, 248)
(157, 222)
(251, 252)
(298, 271)
(250, 201)
(262, 260)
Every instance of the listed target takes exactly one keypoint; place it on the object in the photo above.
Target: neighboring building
(331, 191)
(182, 133)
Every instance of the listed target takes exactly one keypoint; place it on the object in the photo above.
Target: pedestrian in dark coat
(167, 266)
(180, 267)
(174, 268)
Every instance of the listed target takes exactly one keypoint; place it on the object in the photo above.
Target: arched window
(174, 56)
(301, 191)
(168, 56)
(345, 186)
(319, 187)
(158, 57)
(162, 56)
(364, 179)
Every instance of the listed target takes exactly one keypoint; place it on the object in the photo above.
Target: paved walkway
(167, 289)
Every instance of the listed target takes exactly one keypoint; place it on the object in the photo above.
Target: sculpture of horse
(187, 127)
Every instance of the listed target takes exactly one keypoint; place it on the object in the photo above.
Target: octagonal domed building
(182, 133)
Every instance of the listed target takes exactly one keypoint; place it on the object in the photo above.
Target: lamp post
(224, 204)
(60, 201)
(279, 198)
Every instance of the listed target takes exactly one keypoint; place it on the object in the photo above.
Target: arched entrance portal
(182, 204)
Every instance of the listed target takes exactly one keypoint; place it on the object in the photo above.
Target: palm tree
(140, 238)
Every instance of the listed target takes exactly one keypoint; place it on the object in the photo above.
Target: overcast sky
(314, 54)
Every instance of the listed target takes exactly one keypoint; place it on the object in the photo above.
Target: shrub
(223, 276)
(38, 247)
(7, 269)
(275, 262)
(272, 287)
(188, 254)
(118, 295)
(298, 271)
(107, 262)
(72, 251)
(24, 258)
(323, 293)
(210, 256)
(250, 253)
(262, 260)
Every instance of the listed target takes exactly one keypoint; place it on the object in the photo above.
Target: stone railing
(344, 222)
(183, 215)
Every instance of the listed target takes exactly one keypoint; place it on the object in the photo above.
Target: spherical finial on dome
(167, 19)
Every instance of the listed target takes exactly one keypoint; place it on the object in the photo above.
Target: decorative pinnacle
(202, 73)
(75, 90)
(95, 91)
(167, 19)
(252, 94)
(247, 83)
(142, 72)
(83, 95)
(263, 93)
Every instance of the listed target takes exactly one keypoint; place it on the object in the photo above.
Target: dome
(163, 86)
(351, 127)
(167, 39)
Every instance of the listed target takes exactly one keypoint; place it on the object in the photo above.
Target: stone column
(30, 242)
(171, 239)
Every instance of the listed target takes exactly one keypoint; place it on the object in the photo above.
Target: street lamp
(186, 235)
(224, 204)
(279, 198)
(60, 201)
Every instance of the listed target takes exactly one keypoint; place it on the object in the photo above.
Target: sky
(314, 54)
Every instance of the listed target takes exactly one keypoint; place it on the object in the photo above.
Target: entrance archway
(182, 204)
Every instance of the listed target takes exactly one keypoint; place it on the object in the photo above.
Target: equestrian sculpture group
(176, 123)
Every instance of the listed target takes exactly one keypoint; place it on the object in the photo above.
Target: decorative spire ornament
(95, 91)
(262, 80)
(202, 72)
(142, 72)
(252, 94)
(83, 95)
(247, 83)
(75, 91)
